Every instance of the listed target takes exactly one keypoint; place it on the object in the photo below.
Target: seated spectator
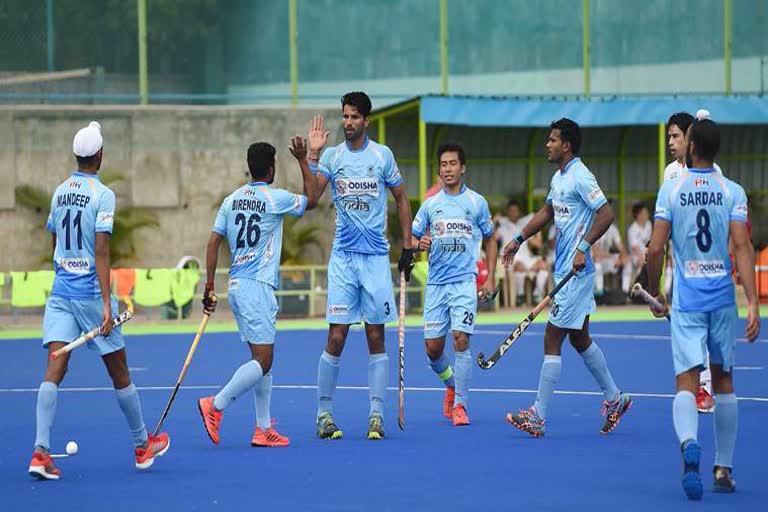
(610, 257)
(638, 236)
(527, 264)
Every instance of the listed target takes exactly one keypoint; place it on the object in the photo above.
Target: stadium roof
(606, 111)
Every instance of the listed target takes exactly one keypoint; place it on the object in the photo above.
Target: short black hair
(87, 160)
(680, 119)
(359, 100)
(452, 146)
(513, 202)
(705, 135)
(569, 132)
(637, 208)
(261, 156)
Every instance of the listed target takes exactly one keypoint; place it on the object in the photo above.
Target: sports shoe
(326, 428)
(269, 437)
(691, 478)
(613, 411)
(41, 466)
(156, 447)
(211, 418)
(450, 396)
(704, 401)
(460, 417)
(375, 427)
(528, 421)
(724, 481)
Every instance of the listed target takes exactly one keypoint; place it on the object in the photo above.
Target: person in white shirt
(610, 256)
(525, 261)
(638, 235)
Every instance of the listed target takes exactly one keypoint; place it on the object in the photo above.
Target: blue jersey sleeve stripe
(739, 218)
(325, 172)
(302, 206)
(222, 232)
(662, 217)
(489, 233)
(103, 229)
(599, 204)
(395, 183)
(417, 232)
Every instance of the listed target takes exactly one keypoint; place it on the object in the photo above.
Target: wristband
(519, 238)
(583, 246)
(313, 167)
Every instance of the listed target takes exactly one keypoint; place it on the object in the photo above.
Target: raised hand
(298, 148)
(317, 137)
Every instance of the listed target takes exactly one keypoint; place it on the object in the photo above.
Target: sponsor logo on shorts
(233, 283)
(357, 187)
(338, 309)
(705, 268)
(75, 265)
(244, 258)
(431, 326)
(452, 228)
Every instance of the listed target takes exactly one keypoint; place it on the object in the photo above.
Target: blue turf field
(431, 466)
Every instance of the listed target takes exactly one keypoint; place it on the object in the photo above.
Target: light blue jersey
(575, 196)
(251, 218)
(81, 207)
(359, 180)
(700, 204)
(457, 224)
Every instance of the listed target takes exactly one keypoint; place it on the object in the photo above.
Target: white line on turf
(365, 388)
(598, 335)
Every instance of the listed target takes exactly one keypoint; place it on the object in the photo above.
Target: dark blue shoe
(724, 481)
(692, 484)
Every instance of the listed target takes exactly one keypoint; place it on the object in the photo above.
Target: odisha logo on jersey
(357, 186)
(452, 227)
(561, 209)
(75, 265)
(438, 228)
(705, 268)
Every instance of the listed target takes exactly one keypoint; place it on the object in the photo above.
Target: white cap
(88, 140)
(702, 114)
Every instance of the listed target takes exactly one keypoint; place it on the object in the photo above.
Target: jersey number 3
(249, 228)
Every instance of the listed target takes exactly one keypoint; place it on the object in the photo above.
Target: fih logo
(249, 192)
(701, 182)
(75, 184)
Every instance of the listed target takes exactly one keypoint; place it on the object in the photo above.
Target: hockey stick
(401, 363)
(85, 338)
(487, 364)
(639, 291)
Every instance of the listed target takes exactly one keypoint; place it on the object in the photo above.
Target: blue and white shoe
(692, 484)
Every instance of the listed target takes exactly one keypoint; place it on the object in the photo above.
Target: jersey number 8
(249, 228)
(703, 235)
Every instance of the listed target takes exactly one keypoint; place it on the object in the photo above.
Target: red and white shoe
(211, 418)
(704, 401)
(41, 466)
(156, 447)
(450, 396)
(269, 437)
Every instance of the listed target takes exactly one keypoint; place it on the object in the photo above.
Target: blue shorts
(574, 302)
(452, 303)
(359, 288)
(254, 305)
(66, 319)
(693, 333)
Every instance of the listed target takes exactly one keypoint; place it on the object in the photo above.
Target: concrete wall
(178, 161)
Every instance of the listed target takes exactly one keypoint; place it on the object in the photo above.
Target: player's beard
(355, 134)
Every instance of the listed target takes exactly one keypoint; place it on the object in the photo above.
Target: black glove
(209, 299)
(406, 263)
